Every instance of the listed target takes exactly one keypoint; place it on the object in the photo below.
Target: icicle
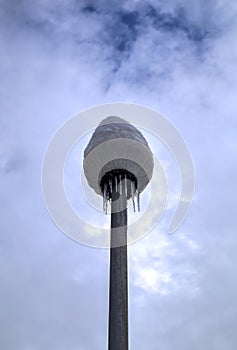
(104, 196)
(116, 184)
(107, 194)
(138, 201)
(106, 207)
(110, 186)
(133, 201)
(120, 184)
(126, 185)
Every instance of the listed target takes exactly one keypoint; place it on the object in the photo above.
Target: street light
(118, 165)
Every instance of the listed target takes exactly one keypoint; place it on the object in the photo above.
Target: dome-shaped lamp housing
(117, 157)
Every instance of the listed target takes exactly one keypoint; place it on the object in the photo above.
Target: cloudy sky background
(60, 57)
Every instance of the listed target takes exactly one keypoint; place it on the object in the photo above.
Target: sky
(177, 57)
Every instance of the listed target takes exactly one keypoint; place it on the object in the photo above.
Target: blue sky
(58, 58)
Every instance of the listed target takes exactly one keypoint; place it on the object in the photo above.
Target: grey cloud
(114, 31)
(57, 58)
(13, 162)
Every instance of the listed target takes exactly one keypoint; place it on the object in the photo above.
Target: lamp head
(117, 158)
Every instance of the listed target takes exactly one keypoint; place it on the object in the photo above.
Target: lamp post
(118, 165)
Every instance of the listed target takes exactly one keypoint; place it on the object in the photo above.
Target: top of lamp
(113, 127)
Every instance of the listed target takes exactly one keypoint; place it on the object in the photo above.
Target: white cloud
(57, 60)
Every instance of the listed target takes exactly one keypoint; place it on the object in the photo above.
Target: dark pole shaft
(118, 296)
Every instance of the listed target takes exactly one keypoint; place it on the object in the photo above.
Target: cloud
(58, 58)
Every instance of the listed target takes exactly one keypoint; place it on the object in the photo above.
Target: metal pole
(118, 294)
